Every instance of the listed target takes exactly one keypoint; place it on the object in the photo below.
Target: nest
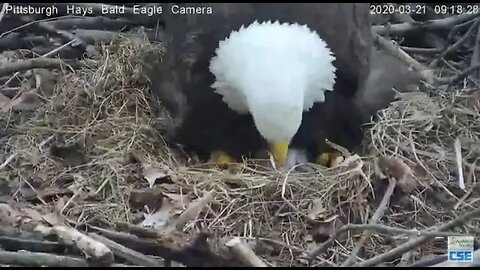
(96, 139)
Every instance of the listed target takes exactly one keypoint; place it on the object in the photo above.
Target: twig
(456, 45)
(7, 161)
(32, 64)
(54, 51)
(414, 243)
(428, 261)
(94, 249)
(137, 230)
(419, 50)
(457, 78)
(169, 248)
(31, 23)
(459, 27)
(402, 28)
(458, 158)
(243, 253)
(376, 228)
(9, 243)
(427, 38)
(379, 228)
(67, 36)
(93, 23)
(194, 209)
(424, 72)
(128, 254)
(50, 53)
(15, 41)
(383, 206)
(38, 259)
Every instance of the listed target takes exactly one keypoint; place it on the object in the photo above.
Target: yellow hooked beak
(279, 151)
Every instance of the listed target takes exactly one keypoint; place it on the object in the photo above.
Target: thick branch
(93, 23)
(402, 28)
(23, 65)
(128, 254)
(32, 259)
(14, 41)
(424, 72)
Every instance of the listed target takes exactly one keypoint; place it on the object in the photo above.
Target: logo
(460, 248)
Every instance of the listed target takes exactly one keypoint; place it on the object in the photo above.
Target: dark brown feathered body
(206, 122)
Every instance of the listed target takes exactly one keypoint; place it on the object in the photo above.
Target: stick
(428, 261)
(16, 243)
(458, 159)
(92, 248)
(379, 229)
(424, 72)
(456, 45)
(457, 28)
(93, 23)
(128, 254)
(137, 230)
(414, 243)
(15, 41)
(373, 220)
(457, 78)
(169, 248)
(67, 36)
(402, 28)
(37, 259)
(243, 253)
(97, 11)
(194, 209)
(7, 161)
(420, 50)
(429, 39)
(33, 63)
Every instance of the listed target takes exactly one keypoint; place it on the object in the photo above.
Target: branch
(16, 244)
(94, 23)
(420, 50)
(14, 41)
(457, 78)
(456, 45)
(33, 63)
(243, 253)
(193, 210)
(414, 243)
(423, 71)
(383, 206)
(171, 248)
(402, 28)
(97, 11)
(128, 254)
(95, 250)
(37, 259)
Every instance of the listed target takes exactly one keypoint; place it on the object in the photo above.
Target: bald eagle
(261, 76)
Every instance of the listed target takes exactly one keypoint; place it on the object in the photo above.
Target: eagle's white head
(275, 72)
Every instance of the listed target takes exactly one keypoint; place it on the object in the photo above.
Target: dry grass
(106, 109)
